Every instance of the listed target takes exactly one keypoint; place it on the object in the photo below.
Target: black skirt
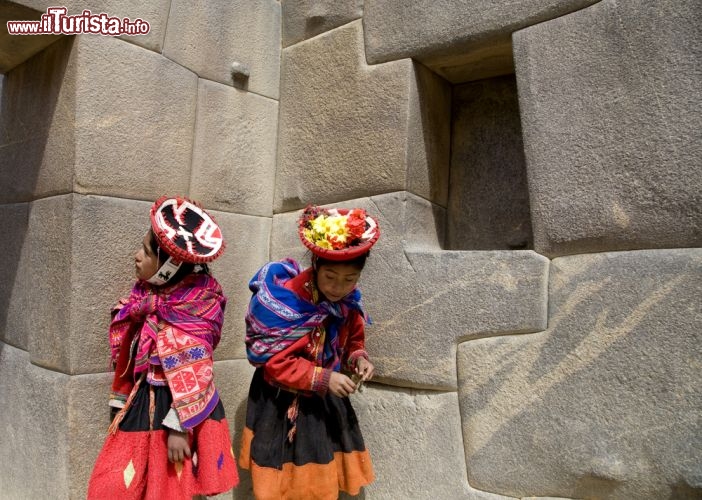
(323, 455)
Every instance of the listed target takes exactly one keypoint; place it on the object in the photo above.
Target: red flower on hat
(356, 223)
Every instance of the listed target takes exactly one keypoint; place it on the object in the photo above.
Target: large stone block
(135, 116)
(81, 263)
(606, 402)
(207, 37)
(234, 154)
(33, 427)
(612, 120)
(37, 113)
(15, 292)
(405, 431)
(52, 431)
(417, 317)
(154, 12)
(460, 40)
(247, 250)
(303, 19)
(488, 205)
(103, 116)
(340, 137)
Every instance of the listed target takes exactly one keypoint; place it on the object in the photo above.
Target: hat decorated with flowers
(184, 230)
(337, 234)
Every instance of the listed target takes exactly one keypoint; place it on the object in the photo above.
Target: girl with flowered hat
(305, 336)
(169, 438)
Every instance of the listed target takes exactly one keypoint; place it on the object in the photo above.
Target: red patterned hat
(338, 233)
(185, 230)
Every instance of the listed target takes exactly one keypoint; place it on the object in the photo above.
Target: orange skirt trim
(346, 472)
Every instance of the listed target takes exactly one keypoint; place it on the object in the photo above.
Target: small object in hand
(358, 381)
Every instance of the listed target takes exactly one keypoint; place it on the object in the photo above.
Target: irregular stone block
(303, 19)
(461, 41)
(234, 154)
(102, 112)
(611, 123)
(606, 401)
(409, 428)
(207, 37)
(15, 49)
(81, 263)
(37, 145)
(15, 294)
(417, 317)
(135, 118)
(52, 426)
(247, 250)
(341, 138)
(488, 198)
(154, 12)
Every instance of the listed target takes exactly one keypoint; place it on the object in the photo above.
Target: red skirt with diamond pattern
(133, 463)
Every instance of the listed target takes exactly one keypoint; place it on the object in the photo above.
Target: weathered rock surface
(37, 145)
(414, 429)
(234, 152)
(80, 264)
(344, 125)
(612, 125)
(15, 296)
(208, 37)
(606, 401)
(417, 318)
(55, 424)
(303, 19)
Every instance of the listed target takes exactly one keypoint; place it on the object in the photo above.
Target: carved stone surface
(207, 37)
(340, 137)
(424, 300)
(606, 401)
(462, 41)
(303, 19)
(612, 124)
(37, 145)
(15, 296)
(234, 152)
(415, 429)
(55, 424)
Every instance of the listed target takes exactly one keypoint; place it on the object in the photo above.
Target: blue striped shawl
(278, 317)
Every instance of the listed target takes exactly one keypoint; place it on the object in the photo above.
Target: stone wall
(536, 169)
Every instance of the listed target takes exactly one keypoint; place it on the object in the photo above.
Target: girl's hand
(178, 447)
(340, 385)
(364, 369)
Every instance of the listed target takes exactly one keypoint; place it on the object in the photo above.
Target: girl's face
(336, 281)
(145, 260)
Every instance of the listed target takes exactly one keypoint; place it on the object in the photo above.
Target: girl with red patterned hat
(169, 438)
(305, 336)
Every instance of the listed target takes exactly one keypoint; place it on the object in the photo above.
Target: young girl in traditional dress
(305, 335)
(169, 438)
